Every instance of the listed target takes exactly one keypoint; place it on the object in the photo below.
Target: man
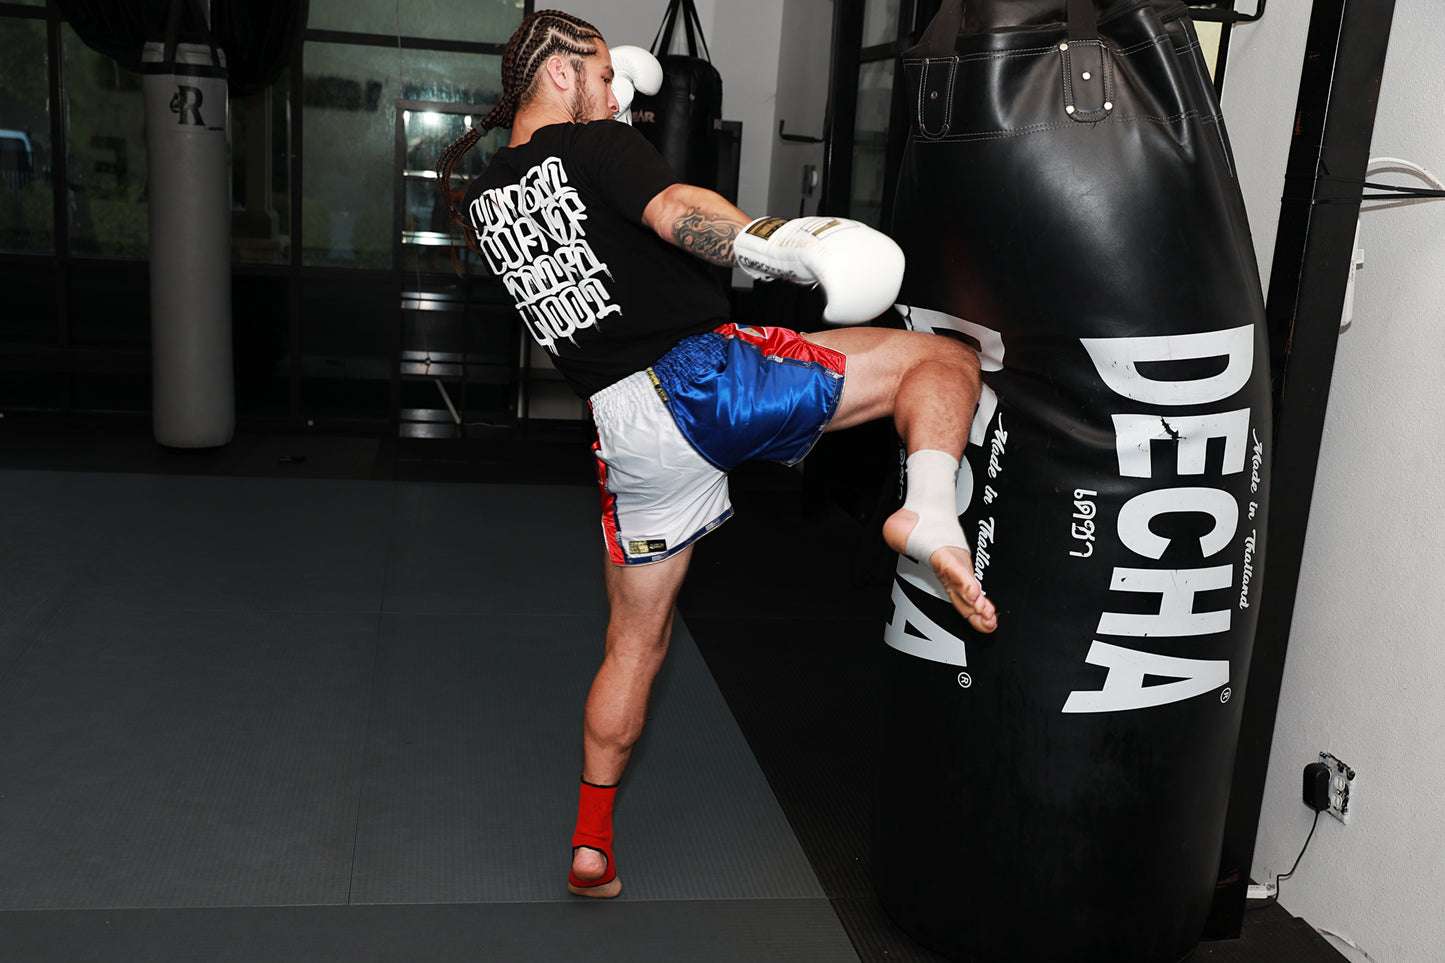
(611, 263)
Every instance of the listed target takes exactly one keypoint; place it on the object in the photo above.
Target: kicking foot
(954, 567)
(592, 875)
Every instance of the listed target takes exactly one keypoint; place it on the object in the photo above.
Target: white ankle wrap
(932, 495)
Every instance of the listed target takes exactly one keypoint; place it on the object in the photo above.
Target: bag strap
(173, 24)
(1083, 20)
(691, 25)
(664, 30)
(687, 16)
(938, 37)
(692, 50)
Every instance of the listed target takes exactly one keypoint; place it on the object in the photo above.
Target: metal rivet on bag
(1108, 105)
(1063, 46)
(1068, 110)
(1087, 76)
(933, 95)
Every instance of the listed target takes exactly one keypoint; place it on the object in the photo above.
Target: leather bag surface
(1067, 203)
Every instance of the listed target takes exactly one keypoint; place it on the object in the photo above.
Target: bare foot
(954, 567)
(589, 864)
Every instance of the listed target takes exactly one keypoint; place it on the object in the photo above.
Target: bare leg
(641, 599)
(929, 385)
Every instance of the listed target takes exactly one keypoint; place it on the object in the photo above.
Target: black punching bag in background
(681, 118)
(1056, 791)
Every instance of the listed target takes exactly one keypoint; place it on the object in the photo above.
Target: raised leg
(642, 600)
(929, 385)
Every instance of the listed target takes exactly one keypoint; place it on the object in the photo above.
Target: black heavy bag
(681, 118)
(1056, 791)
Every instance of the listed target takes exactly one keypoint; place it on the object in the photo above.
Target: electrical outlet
(1342, 784)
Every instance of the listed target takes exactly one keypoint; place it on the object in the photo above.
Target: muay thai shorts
(668, 435)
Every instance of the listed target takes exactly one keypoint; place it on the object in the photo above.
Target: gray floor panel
(496, 548)
(229, 706)
(705, 931)
(695, 797)
(260, 543)
(287, 718)
(53, 530)
(473, 756)
(183, 759)
(16, 637)
(473, 759)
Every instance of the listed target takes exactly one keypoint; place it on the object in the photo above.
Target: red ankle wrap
(594, 829)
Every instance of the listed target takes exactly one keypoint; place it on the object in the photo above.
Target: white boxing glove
(859, 269)
(633, 69)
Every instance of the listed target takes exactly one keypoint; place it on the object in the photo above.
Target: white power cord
(1396, 163)
(1357, 259)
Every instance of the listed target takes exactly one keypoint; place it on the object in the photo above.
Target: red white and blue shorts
(668, 435)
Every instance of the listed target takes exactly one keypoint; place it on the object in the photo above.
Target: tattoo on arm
(707, 235)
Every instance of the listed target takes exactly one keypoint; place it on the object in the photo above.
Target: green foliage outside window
(27, 214)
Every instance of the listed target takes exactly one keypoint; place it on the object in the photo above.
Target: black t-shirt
(559, 220)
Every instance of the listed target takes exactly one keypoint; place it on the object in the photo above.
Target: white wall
(804, 60)
(1366, 669)
(745, 40)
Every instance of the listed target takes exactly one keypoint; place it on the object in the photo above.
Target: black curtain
(256, 35)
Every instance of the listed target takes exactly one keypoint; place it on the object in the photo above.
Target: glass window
(106, 162)
(870, 141)
(27, 212)
(349, 140)
(476, 21)
(261, 175)
(428, 234)
(880, 22)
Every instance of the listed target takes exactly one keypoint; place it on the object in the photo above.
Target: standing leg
(642, 600)
(929, 385)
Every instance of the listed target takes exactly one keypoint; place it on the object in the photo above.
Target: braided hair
(541, 34)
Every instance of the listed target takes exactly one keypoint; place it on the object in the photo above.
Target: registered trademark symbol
(1224, 696)
(965, 680)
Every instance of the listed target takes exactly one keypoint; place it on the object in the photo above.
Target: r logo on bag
(187, 104)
